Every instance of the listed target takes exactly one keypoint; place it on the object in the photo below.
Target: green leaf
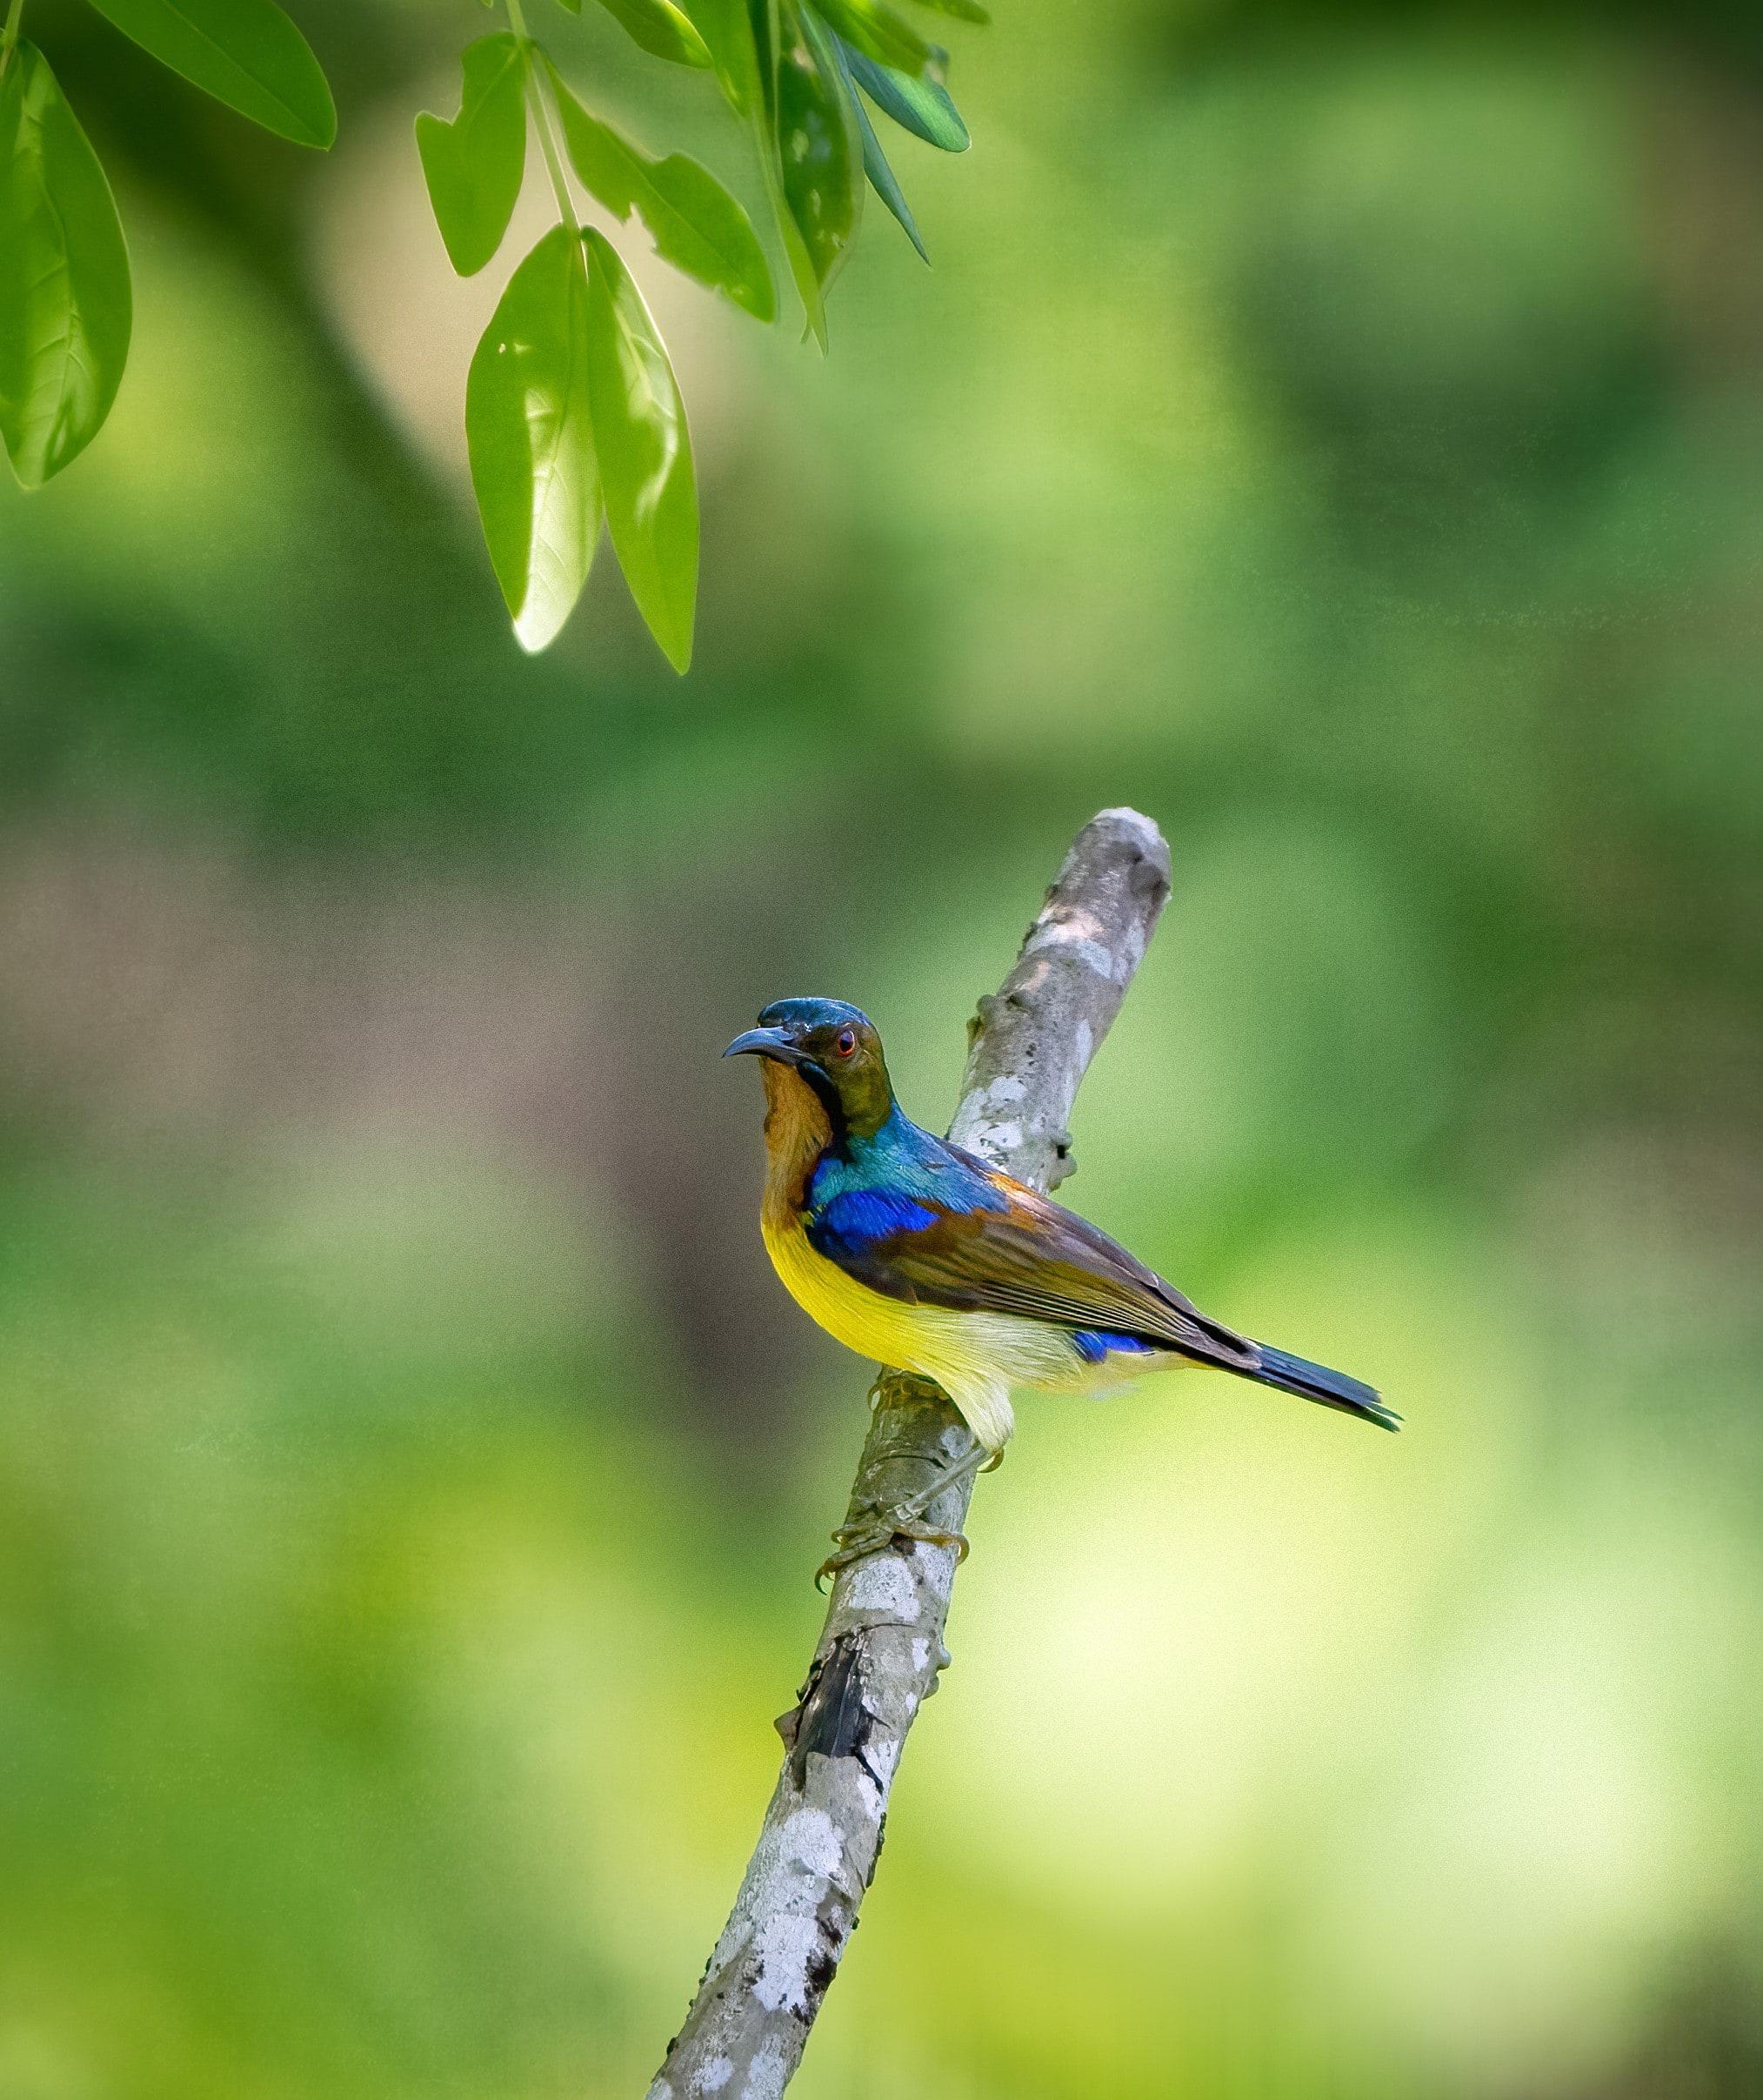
(473, 166)
(764, 34)
(695, 223)
(645, 452)
(878, 32)
(65, 306)
(734, 42)
(821, 154)
(963, 10)
(245, 53)
(875, 164)
(883, 182)
(658, 27)
(530, 439)
(921, 106)
(743, 38)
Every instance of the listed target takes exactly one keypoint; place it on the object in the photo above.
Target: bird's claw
(857, 1541)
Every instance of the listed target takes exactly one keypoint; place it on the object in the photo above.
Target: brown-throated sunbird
(914, 1252)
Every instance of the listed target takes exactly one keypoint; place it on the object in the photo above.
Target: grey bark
(882, 1648)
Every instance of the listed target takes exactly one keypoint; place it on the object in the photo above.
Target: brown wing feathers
(1040, 1261)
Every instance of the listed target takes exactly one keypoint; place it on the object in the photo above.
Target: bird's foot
(878, 1524)
(857, 1541)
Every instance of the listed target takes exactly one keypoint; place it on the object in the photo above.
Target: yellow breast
(863, 1320)
(974, 1357)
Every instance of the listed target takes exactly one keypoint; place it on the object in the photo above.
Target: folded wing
(1027, 1256)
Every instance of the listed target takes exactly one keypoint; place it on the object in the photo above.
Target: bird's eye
(845, 1041)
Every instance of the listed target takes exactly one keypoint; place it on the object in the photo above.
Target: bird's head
(832, 1049)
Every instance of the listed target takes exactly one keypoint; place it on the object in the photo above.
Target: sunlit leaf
(65, 305)
(473, 165)
(920, 106)
(695, 223)
(529, 432)
(661, 28)
(245, 53)
(644, 451)
(963, 10)
(820, 152)
(882, 179)
(875, 29)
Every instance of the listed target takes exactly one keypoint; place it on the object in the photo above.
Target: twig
(534, 90)
(882, 1646)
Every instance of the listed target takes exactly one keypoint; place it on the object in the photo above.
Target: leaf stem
(541, 116)
(8, 36)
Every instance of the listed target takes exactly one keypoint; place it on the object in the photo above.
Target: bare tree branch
(882, 1646)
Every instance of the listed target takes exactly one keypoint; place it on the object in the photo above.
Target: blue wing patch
(852, 1223)
(1095, 1346)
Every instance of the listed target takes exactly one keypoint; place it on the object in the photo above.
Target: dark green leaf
(883, 182)
(245, 53)
(473, 166)
(661, 28)
(875, 164)
(530, 439)
(644, 451)
(820, 151)
(65, 306)
(763, 35)
(878, 32)
(920, 106)
(695, 223)
(963, 10)
(743, 38)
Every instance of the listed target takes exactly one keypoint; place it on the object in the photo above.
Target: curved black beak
(765, 1042)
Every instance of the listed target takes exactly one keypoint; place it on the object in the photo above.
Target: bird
(918, 1255)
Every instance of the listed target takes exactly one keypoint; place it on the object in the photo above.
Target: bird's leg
(980, 1459)
(904, 1520)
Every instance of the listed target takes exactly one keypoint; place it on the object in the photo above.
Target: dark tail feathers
(1328, 1388)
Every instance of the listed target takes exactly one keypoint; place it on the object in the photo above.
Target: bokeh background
(1335, 428)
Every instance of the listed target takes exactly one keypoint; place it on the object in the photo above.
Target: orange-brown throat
(797, 1130)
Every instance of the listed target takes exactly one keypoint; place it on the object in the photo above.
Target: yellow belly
(862, 1319)
(976, 1357)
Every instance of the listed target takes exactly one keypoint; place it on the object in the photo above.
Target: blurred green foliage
(1337, 430)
